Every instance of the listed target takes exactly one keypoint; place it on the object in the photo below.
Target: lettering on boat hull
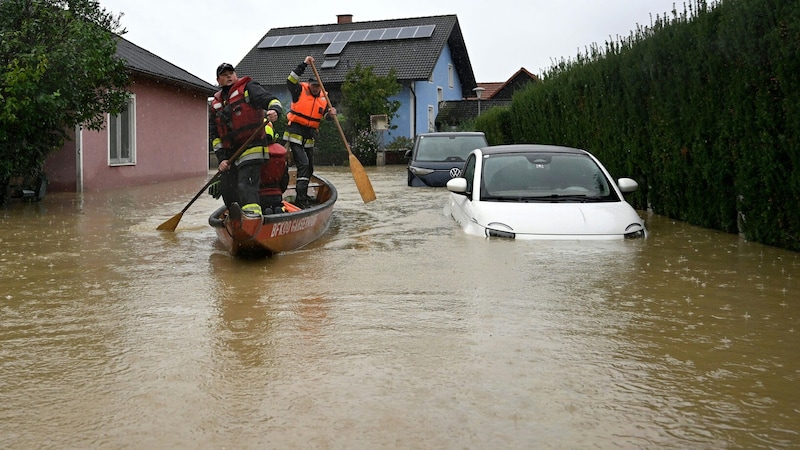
(292, 226)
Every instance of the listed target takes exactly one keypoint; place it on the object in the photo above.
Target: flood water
(395, 330)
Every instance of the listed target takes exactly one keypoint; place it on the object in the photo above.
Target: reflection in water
(393, 330)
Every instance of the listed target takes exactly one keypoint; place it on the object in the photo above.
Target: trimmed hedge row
(702, 108)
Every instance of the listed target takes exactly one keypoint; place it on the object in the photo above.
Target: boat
(258, 237)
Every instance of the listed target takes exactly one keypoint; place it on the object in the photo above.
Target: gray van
(438, 157)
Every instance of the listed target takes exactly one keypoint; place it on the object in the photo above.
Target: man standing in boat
(308, 108)
(236, 111)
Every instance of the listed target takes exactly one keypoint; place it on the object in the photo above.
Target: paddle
(172, 223)
(359, 174)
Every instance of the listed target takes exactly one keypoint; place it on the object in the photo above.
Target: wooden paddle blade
(171, 224)
(362, 180)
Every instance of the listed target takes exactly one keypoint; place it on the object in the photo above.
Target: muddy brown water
(394, 330)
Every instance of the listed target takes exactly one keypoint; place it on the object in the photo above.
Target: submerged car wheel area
(438, 157)
(542, 192)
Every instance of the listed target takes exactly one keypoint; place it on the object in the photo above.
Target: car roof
(452, 133)
(527, 148)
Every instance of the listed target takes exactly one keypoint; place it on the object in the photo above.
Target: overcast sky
(501, 35)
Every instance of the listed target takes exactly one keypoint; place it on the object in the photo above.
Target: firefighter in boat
(237, 110)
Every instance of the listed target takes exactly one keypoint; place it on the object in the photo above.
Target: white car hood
(557, 219)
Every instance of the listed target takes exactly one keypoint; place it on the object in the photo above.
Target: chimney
(344, 18)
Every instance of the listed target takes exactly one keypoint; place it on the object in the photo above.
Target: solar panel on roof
(335, 48)
(424, 31)
(374, 34)
(312, 39)
(297, 39)
(407, 32)
(283, 41)
(343, 37)
(390, 33)
(327, 38)
(359, 35)
(267, 42)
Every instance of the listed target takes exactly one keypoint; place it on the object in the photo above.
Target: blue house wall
(422, 96)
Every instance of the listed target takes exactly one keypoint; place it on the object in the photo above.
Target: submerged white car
(530, 191)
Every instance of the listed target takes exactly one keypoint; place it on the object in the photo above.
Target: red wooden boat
(264, 236)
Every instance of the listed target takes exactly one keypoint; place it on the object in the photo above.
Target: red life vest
(307, 110)
(273, 171)
(235, 118)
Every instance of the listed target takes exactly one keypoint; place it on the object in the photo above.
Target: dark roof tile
(141, 61)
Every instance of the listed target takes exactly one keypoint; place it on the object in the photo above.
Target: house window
(450, 76)
(329, 63)
(431, 123)
(430, 78)
(439, 95)
(122, 136)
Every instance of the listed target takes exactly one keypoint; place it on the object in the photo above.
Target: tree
(58, 69)
(367, 94)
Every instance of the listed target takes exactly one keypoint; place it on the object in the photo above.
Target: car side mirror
(627, 184)
(408, 154)
(457, 185)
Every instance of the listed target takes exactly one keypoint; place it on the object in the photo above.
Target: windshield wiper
(553, 198)
(583, 198)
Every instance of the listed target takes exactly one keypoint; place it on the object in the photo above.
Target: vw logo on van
(455, 172)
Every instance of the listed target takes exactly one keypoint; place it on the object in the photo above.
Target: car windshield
(447, 148)
(552, 177)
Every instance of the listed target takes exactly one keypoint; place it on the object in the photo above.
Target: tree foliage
(58, 69)
(366, 94)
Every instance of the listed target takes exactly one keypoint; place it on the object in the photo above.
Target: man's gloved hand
(215, 190)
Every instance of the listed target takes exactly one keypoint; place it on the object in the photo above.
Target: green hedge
(702, 108)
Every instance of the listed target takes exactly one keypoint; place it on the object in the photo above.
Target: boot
(302, 199)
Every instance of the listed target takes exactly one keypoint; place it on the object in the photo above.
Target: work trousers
(304, 161)
(228, 183)
(249, 179)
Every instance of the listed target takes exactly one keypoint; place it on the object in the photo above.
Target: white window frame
(431, 119)
(439, 95)
(117, 125)
(451, 79)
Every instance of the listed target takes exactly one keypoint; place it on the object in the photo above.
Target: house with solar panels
(427, 53)
(162, 136)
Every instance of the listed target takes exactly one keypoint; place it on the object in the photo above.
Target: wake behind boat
(251, 236)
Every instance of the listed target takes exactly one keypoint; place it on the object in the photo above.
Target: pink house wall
(171, 143)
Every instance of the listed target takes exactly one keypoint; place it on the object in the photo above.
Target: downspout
(78, 158)
(413, 109)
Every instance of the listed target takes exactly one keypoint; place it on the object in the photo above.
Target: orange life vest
(307, 110)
